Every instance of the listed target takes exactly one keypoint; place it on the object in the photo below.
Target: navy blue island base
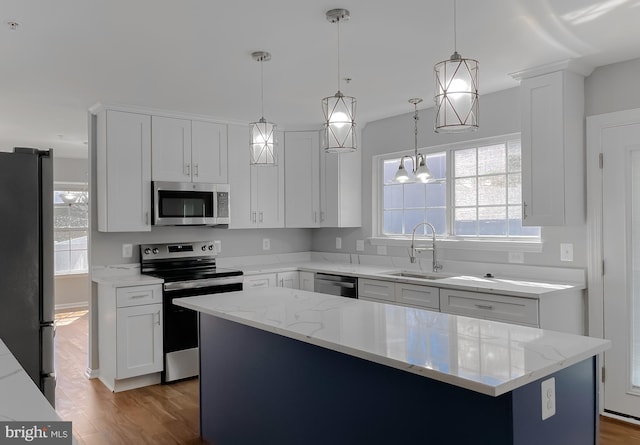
(257, 387)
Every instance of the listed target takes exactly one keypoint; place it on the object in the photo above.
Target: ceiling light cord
(338, 22)
(262, 89)
(455, 29)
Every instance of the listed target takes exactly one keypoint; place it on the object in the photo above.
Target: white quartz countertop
(127, 280)
(487, 357)
(20, 398)
(526, 288)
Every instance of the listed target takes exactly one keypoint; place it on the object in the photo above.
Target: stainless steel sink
(421, 275)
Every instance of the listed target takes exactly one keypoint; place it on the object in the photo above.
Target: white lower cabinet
(517, 310)
(307, 281)
(289, 279)
(256, 281)
(419, 296)
(130, 335)
(376, 290)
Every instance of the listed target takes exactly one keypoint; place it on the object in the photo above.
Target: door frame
(595, 282)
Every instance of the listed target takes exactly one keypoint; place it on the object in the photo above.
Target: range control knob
(156, 250)
(204, 247)
(147, 251)
(210, 246)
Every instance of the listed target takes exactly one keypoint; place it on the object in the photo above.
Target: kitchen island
(288, 366)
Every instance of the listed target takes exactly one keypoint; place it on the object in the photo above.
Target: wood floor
(162, 414)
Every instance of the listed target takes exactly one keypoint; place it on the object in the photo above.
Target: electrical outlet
(566, 252)
(266, 244)
(217, 245)
(127, 251)
(360, 245)
(548, 389)
(382, 250)
(338, 242)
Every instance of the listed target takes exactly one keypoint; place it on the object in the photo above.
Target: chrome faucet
(413, 250)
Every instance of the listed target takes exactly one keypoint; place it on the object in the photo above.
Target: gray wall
(499, 115)
(70, 170)
(613, 88)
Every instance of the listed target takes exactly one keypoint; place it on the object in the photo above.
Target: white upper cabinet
(302, 178)
(188, 151)
(257, 192)
(322, 189)
(553, 149)
(123, 171)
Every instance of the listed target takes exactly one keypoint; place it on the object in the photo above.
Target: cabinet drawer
(516, 310)
(256, 281)
(138, 295)
(420, 296)
(376, 289)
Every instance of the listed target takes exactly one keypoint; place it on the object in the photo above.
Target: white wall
(499, 115)
(613, 88)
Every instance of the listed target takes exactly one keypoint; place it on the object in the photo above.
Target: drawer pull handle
(484, 306)
(138, 296)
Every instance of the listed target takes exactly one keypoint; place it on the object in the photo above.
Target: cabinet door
(418, 296)
(242, 213)
(257, 281)
(329, 189)
(302, 179)
(377, 290)
(307, 281)
(124, 171)
(171, 149)
(209, 152)
(138, 340)
(269, 193)
(289, 279)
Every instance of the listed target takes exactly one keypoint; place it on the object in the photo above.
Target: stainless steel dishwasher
(336, 285)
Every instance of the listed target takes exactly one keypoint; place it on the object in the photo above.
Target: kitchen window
(475, 193)
(70, 228)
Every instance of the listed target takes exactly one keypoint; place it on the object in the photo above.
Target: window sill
(466, 244)
(72, 274)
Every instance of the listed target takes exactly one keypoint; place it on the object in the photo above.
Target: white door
(620, 145)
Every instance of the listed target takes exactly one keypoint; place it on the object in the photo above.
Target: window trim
(73, 187)
(512, 244)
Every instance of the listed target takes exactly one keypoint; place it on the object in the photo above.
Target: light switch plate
(266, 244)
(566, 252)
(217, 245)
(360, 245)
(127, 251)
(548, 390)
(338, 242)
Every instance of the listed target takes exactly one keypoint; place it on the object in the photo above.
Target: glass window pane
(79, 240)
(78, 217)
(60, 240)
(492, 159)
(515, 224)
(79, 261)
(514, 157)
(465, 192)
(389, 170)
(393, 196)
(464, 162)
(411, 218)
(414, 195)
(61, 261)
(515, 189)
(437, 164)
(492, 190)
(437, 217)
(492, 221)
(436, 194)
(61, 216)
(392, 222)
(466, 222)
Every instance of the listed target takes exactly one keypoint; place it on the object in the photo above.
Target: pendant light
(420, 170)
(339, 110)
(262, 133)
(456, 94)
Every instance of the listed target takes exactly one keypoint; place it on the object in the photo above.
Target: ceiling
(194, 56)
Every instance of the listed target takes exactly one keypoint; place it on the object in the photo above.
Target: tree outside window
(70, 227)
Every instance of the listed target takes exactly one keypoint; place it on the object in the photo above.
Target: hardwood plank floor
(162, 414)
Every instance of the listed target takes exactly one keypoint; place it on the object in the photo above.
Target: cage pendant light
(456, 94)
(262, 133)
(339, 110)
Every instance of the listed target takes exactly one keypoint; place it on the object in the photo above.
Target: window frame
(493, 243)
(72, 187)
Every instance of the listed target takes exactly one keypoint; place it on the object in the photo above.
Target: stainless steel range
(188, 269)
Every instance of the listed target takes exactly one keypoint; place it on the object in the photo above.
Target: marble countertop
(20, 398)
(496, 285)
(127, 280)
(487, 357)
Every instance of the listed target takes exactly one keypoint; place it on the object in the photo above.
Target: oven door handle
(194, 284)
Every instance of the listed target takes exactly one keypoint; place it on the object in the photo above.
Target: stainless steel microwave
(190, 204)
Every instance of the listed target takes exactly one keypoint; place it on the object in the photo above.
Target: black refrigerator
(26, 263)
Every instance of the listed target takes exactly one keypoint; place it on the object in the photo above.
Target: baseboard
(67, 306)
(622, 418)
(91, 373)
